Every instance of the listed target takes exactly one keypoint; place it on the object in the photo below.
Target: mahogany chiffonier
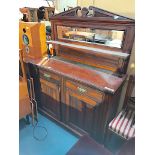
(80, 84)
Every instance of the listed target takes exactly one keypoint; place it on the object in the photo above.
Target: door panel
(82, 111)
(50, 97)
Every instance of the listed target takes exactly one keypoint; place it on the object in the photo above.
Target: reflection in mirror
(112, 38)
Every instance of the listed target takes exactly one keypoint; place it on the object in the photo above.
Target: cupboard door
(82, 110)
(50, 97)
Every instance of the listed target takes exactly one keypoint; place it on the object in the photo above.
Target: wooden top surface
(100, 80)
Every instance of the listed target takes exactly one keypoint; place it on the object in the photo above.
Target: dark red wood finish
(84, 98)
(100, 19)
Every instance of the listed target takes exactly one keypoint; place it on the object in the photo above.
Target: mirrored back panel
(111, 38)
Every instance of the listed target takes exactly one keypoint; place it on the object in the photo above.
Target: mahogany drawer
(84, 90)
(47, 75)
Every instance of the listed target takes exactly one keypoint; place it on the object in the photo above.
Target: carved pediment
(97, 12)
(71, 12)
(91, 12)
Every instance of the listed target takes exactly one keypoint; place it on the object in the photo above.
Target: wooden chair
(32, 15)
(123, 124)
(49, 11)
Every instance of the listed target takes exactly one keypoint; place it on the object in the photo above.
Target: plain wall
(61, 4)
(123, 7)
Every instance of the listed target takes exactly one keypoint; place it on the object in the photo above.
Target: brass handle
(46, 75)
(81, 90)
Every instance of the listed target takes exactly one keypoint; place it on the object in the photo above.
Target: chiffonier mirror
(111, 38)
(102, 34)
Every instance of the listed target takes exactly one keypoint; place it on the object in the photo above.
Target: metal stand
(33, 101)
(27, 119)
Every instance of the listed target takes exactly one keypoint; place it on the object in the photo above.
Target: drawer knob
(81, 90)
(46, 75)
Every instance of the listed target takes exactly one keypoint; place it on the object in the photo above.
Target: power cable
(41, 127)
